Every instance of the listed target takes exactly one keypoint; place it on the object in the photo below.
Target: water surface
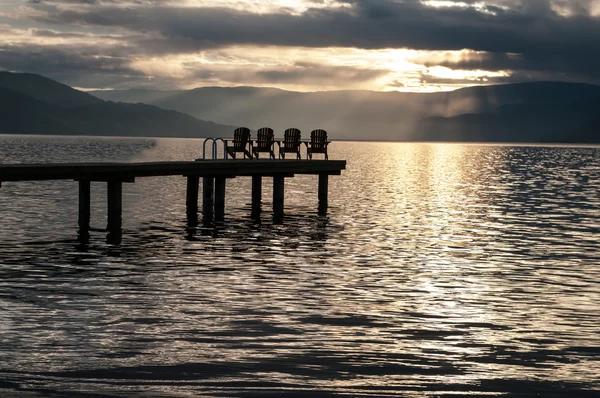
(440, 268)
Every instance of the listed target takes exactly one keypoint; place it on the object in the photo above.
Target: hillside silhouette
(526, 112)
(543, 123)
(32, 104)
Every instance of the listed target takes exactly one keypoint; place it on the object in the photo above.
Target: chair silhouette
(291, 143)
(265, 142)
(240, 143)
(318, 143)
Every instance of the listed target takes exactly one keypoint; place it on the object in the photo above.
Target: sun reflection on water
(466, 269)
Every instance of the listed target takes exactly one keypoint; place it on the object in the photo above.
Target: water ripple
(452, 269)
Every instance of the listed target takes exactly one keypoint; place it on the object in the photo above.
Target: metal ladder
(215, 148)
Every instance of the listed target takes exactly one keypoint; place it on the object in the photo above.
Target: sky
(301, 45)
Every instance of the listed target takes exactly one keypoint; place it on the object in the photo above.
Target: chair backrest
(318, 140)
(241, 136)
(265, 138)
(291, 139)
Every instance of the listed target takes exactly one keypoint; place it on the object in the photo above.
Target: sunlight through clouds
(474, 75)
(412, 45)
(266, 6)
(480, 5)
(262, 66)
(328, 69)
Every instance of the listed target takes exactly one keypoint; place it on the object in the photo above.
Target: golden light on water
(439, 267)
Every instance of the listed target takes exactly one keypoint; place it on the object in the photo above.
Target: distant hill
(553, 122)
(22, 114)
(530, 111)
(590, 128)
(484, 99)
(32, 104)
(345, 114)
(47, 90)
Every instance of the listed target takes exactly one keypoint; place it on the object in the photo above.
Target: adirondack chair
(291, 143)
(265, 142)
(318, 143)
(241, 143)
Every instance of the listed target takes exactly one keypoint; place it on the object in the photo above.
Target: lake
(440, 268)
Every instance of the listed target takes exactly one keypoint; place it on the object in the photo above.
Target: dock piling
(278, 196)
(208, 187)
(84, 206)
(256, 195)
(220, 198)
(191, 200)
(115, 206)
(323, 190)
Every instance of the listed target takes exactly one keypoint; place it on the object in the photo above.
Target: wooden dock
(214, 174)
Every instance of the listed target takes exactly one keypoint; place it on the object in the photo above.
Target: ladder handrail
(214, 148)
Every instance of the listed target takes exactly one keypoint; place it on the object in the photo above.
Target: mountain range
(527, 112)
(32, 104)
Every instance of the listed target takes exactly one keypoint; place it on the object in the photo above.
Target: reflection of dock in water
(214, 174)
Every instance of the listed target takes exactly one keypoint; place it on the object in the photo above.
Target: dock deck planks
(128, 171)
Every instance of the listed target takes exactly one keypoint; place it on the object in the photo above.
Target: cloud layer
(215, 42)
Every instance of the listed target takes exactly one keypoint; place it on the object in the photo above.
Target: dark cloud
(531, 28)
(577, 65)
(81, 66)
(61, 59)
(62, 35)
(527, 37)
(70, 65)
(99, 2)
(368, 24)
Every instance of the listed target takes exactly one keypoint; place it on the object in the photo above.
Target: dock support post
(256, 195)
(84, 207)
(208, 187)
(115, 208)
(191, 200)
(323, 189)
(278, 190)
(220, 198)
